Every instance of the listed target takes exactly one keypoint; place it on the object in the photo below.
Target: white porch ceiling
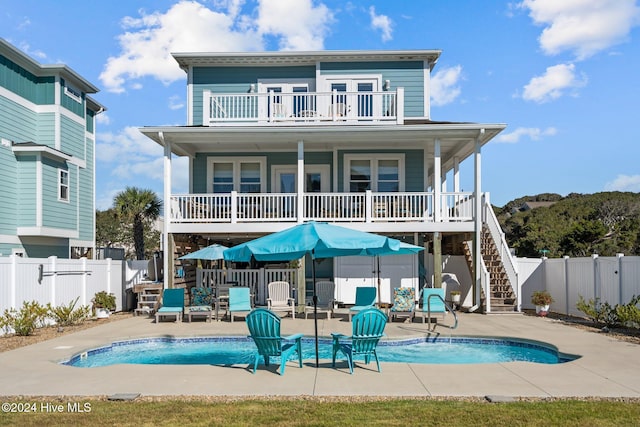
(457, 140)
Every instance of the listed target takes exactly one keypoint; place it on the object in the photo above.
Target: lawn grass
(330, 412)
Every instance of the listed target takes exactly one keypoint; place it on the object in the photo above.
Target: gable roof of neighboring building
(37, 69)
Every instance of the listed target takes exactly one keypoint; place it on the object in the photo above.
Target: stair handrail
(449, 308)
(485, 282)
(508, 261)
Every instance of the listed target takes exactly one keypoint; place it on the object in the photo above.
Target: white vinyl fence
(256, 279)
(611, 279)
(60, 281)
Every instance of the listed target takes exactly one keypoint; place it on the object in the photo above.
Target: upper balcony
(279, 108)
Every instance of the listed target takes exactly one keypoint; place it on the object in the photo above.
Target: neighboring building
(47, 158)
(346, 137)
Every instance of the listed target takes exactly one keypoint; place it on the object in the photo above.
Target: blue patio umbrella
(210, 253)
(318, 239)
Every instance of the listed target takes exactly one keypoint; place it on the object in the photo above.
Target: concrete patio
(607, 367)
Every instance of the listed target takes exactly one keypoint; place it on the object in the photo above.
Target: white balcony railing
(331, 207)
(303, 107)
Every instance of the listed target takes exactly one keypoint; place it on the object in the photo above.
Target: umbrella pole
(379, 296)
(315, 304)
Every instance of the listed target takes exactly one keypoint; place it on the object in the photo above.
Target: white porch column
(477, 232)
(437, 180)
(300, 181)
(456, 174)
(167, 212)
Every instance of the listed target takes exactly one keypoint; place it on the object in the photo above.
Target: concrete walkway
(606, 368)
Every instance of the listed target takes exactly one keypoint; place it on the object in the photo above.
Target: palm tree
(135, 206)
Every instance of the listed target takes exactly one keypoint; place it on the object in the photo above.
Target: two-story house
(47, 158)
(345, 137)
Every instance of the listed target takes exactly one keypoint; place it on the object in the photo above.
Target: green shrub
(604, 314)
(67, 315)
(629, 314)
(600, 314)
(25, 321)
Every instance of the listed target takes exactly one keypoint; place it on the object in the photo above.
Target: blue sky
(563, 75)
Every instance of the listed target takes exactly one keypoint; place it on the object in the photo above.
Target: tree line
(577, 225)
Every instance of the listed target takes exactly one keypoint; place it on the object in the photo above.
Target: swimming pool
(226, 351)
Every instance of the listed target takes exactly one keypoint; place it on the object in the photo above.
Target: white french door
(354, 97)
(316, 179)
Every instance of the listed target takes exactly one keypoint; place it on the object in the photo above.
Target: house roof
(32, 147)
(532, 205)
(42, 70)
(257, 59)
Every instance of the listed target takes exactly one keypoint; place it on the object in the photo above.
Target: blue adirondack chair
(172, 304)
(367, 329)
(365, 298)
(264, 327)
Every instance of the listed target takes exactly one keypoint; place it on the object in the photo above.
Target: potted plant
(542, 300)
(103, 304)
(455, 297)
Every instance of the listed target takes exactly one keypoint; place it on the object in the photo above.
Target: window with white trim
(244, 175)
(72, 92)
(375, 172)
(63, 187)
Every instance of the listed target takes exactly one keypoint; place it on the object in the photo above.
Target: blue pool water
(241, 350)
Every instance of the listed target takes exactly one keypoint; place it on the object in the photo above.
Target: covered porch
(438, 206)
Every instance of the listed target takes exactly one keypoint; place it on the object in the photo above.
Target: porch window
(245, 175)
(388, 175)
(249, 177)
(223, 177)
(360, 176)
(63, 188)
(375, 172)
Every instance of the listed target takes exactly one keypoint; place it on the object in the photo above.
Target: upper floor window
(72, 92)
(245, 175)
(375, 172)
(63, 187)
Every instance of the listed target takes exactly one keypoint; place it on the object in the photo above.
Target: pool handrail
(446, 306)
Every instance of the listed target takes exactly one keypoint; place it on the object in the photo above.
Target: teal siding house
(346, 137)
(47, 158)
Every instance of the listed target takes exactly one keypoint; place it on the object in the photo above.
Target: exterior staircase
(502, 297)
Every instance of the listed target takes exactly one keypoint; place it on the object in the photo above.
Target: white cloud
(532, 133)
(103, 118)
(583, 27)
(127, 146)
(130, 158)
(624, 183)
(445, 85)
(553, 83)
(299, 24)
(187, 26)
(175, 102)
(382, 23)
